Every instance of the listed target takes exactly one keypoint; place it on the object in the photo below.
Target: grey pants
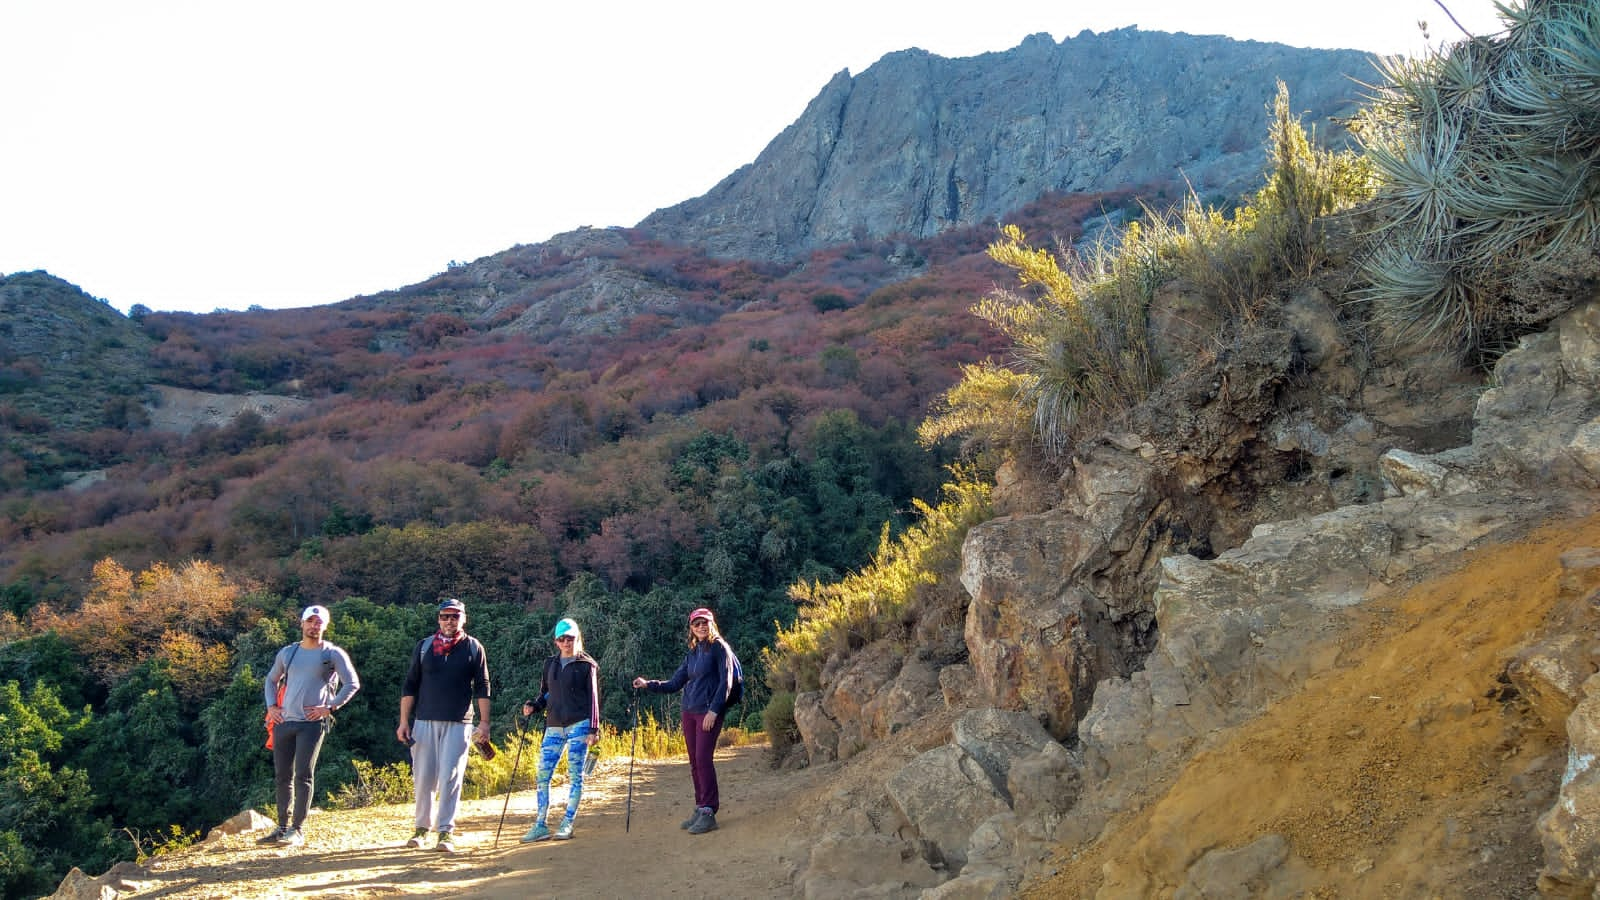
(295, 746)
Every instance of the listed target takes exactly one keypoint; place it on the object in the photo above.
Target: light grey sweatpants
(438, 766)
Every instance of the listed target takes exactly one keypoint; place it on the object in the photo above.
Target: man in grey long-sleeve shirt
(307, 682)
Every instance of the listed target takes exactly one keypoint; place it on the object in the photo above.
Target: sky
(205, 155)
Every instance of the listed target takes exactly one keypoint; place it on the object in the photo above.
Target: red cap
(701, 613)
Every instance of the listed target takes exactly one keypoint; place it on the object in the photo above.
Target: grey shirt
(310, 672)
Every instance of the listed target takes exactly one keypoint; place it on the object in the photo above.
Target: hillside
(1401, 772)
(1270, 569)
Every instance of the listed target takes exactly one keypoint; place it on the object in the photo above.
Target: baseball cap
(701, 613)
(320, 612)
(452, 603)
(566, 627)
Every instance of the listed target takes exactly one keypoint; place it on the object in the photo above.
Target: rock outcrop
(1227, 635)
(918, 143)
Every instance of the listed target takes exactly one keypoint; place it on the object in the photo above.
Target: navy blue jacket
(705, 678)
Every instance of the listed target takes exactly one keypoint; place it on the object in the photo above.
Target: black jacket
(445, 686)
(570, 693)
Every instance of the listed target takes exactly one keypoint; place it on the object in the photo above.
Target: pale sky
(218, 154)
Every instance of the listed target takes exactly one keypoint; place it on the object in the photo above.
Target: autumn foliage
(182, 616)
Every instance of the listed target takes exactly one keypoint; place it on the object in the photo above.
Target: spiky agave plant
(1488, 156)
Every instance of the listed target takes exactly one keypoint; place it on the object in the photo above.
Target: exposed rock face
(1237, 632)
(1571, 830)
(183, 410)
(918, 143)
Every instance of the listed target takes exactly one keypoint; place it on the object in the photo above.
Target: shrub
(1489, 166)
(839, 617)
(374, 785)
(778, 717)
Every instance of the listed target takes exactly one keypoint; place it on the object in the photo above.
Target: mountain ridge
(918, 143)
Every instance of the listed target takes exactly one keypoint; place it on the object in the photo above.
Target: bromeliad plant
(1488, 154)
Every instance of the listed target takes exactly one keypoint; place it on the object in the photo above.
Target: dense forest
(700, 432)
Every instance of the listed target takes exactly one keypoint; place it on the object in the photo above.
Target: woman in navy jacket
(706, 679)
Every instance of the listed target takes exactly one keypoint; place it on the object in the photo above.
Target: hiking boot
(417, 839)
(537, 833)
(447, 843)
(273, 836)
(564, 830)
(292, 837)
(706, 822)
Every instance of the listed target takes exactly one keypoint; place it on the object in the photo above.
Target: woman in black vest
(569, 696)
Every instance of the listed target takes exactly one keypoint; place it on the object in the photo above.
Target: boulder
(864, 865)
(944, 794)
(1570, 832)
(1027, 627)
(248, 820)
(818, 732)
(997, 739)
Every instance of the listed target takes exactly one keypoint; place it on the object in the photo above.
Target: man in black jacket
(448, 672)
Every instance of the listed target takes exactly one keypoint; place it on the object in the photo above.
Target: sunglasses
(565, 639)
(449, 615)
(697, 623)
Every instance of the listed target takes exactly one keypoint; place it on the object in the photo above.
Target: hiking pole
(512, 779)
(632, 752)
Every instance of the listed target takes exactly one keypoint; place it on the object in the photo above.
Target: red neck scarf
(443, 645)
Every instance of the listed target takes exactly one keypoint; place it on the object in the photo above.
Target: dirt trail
(361, 853)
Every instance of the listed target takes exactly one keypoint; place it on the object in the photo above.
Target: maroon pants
(702, 746)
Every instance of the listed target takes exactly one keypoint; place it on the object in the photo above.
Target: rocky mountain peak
(919, 143)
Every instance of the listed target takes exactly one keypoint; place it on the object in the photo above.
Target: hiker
(301, 699)
(569, 696)
(449, 671)
(706, 678)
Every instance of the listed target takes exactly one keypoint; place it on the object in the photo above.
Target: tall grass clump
(864, 606)
(1079, 324)
(1488, 154)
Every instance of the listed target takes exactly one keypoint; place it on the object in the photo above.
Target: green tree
(140, 758)
(47, 823)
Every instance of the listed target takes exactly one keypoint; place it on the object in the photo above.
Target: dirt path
(361, 853)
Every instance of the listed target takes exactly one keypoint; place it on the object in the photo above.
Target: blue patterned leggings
(573, 739)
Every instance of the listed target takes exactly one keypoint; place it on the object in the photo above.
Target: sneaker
(537, 833)
(292, 837)
(564, 830)
(447, 843)
(706, 822)
(693, 818)
(417, 839)
(272, 836)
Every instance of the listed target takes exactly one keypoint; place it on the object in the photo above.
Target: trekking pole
(632, 752)
(512, 779)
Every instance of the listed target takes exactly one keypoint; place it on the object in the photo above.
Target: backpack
(735, 695)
